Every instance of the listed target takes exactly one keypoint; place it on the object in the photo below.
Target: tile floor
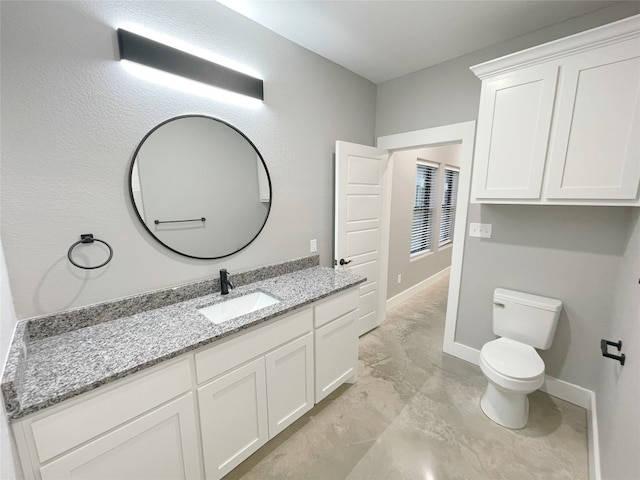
(415, 414)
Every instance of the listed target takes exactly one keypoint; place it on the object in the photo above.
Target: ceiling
(381, 40)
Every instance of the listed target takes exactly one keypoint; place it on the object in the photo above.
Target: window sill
(414, 257)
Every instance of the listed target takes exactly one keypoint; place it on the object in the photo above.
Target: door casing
(463, 133)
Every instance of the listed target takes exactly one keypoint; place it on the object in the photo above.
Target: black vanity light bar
(139, 49)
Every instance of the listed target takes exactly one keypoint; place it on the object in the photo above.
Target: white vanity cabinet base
(142, 426)
(259, 383)
(290, 389)
(215, 360)
(66, 428)
(162, 444)
(211, 408)
(233, 417)
(336, 342)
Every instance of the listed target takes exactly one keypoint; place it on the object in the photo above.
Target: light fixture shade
(139, 49)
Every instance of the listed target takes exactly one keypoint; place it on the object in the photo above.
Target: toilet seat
(512, 365)
(513, 359)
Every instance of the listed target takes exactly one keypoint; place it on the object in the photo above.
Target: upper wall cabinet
(560, 123)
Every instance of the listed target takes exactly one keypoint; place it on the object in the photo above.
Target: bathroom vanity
(167, 393)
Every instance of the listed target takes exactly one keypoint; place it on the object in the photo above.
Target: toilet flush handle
(499, 304)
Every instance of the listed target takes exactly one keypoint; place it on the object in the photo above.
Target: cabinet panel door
(289, 383)
(336, 352)
(514, 122)
(233, 418)
(595, 151)
(162, 444)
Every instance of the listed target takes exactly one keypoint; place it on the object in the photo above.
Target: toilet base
(509, 409)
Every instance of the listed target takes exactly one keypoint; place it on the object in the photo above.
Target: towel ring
(88, 238)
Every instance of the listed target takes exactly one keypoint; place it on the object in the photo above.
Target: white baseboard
(411, 291)
(463, 352)
(594, 439)
(569, 392)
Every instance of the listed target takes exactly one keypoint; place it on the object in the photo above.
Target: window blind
(424, 207)
(449, 201)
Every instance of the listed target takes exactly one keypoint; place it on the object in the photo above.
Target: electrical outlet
(481, 230)
(313, 246)
(399, 278)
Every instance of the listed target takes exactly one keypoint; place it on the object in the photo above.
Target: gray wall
(9, 463)
(72, 117)
(569, 253)
(414, 270)
(450, 93)
(618, 387)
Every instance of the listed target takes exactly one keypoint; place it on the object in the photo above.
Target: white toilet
(510, 363)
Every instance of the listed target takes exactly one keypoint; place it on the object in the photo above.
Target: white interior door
(359, 231)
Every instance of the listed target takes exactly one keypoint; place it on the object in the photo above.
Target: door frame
(464, 133)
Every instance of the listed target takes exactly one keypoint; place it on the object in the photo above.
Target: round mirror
(200, 187)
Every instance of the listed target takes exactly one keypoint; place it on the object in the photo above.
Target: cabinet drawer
(226, 355)
(336, 307)
(71, 426)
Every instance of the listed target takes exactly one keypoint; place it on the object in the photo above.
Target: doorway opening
(423, 200)
(461, 134)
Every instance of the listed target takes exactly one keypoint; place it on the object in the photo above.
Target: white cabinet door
(233, 418)
(514, 122)
(595, 151)
(161, 444)
(336, 352)
(289, 383)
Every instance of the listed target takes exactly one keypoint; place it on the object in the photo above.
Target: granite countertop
(58, 367)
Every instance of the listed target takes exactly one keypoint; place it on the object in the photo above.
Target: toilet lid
(513, 359)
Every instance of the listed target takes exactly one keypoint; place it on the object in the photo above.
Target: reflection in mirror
(200, 187)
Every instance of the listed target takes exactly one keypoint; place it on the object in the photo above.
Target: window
(449, 201)
(424, 208)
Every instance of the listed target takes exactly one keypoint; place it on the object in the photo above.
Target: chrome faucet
(225, 283)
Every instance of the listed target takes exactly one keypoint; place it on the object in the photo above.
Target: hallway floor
(415, 414)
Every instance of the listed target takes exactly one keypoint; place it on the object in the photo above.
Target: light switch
(313, 246)
(482, 230)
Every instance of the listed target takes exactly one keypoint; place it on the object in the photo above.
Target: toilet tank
(524, 317)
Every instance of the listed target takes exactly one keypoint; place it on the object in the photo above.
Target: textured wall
(9, 463)
(618, 387)
(413, 270)
(72, 117)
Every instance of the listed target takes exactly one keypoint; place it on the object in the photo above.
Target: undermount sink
(236, 307)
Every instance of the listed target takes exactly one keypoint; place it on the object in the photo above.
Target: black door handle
(344, 262)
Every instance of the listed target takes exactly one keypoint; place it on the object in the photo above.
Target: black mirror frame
(142, 221)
